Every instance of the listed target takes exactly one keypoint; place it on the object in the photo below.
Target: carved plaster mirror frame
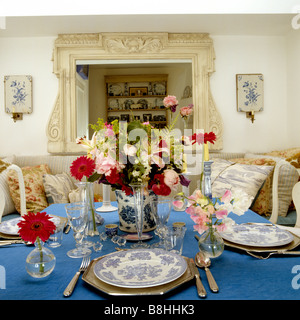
(68, 48)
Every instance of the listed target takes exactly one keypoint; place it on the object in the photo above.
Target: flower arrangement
(122, 154)
(213, 213)
(34, 228)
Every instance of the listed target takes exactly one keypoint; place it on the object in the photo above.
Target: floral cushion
(262, 201)
(8, 206)
(34, 189)
(288, 176)
(230, 175)
(286, 153)
(291, 155)
(57, 187)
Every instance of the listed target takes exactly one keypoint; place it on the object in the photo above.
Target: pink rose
(185, 111)
(104, 164)
(170, 101)
(171, 178)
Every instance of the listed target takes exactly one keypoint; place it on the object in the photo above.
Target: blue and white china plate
(140, 268)
(258, 235)
(10, 226)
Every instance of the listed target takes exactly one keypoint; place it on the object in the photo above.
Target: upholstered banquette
(31, 183)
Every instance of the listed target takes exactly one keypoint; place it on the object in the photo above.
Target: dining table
(239, 275)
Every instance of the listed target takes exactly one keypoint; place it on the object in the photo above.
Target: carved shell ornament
(134, 45)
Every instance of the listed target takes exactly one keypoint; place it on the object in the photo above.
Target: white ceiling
(215, 24)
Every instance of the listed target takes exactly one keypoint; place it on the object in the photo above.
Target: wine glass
(77, 216)
(161, 209)
(138, 194)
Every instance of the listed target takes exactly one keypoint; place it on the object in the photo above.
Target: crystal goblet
(161, 209)
(77, 216)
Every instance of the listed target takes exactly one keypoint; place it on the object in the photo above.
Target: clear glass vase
(41, 261)
(87, 195)
(211, 243)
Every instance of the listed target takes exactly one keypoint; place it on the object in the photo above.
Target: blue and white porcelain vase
(127, 213)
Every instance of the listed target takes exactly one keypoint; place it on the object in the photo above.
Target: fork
(271, 253)
(84, 264)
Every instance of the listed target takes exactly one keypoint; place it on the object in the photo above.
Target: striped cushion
(58, 187)
(230, 175)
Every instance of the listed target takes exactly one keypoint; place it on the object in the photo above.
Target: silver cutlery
(200, 289)
(263, 257)
(204, 262)
(8, 242)
(84, 264)
(67, 228)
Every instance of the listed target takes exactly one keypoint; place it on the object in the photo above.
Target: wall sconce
(250, 115)
(18, 96)
(250, 94)
(17, 116)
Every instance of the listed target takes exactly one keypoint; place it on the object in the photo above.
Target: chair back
(296, 200)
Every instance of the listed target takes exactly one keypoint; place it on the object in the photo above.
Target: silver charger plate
(10, 226)
(258, 235)
(140, 268)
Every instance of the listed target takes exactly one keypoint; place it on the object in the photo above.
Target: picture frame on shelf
(125, 117)
(138, 91)
(147, 117)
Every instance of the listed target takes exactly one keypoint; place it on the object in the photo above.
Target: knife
(8, 242)
(200, 288)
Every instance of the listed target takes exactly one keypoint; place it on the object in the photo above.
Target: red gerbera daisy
(82, 166)
(35, 225)
(210, 137)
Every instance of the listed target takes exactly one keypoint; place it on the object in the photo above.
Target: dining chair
(275, 202)
(296, 200)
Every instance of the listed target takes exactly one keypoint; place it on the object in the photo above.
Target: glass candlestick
(207, 179)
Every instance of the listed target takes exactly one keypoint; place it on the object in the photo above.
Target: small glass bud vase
(211, 243)
(41, 261)
(207, 179)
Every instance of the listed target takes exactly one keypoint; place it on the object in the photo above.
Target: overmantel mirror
(130, 50)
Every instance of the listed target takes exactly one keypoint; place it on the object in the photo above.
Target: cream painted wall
(266, 55)
(272, 129)
(293, 87)
(32, 56)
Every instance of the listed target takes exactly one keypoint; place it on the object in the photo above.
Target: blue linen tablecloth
(239, 276)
